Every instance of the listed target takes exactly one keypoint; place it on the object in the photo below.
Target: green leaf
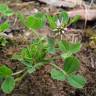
(76, 81)
(58, 75)
(3, 41)
(52, 21)
(64, 16)
(75, 47)
(64, 46)
(74, 19)
(69, 48)
(35, 21)
(71, 65)
(5, 10)
(4, 26)
(8, 85)
(5, 71)
(51, 45)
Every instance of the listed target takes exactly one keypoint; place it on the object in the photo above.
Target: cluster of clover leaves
(43, 50)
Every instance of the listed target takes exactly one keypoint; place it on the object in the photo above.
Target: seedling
(71, 66)
(32, 56)
(59, 25)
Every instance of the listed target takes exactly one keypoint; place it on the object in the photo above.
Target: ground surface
(40, 83)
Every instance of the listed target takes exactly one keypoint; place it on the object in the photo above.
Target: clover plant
(71, 65)
(33, 55)
(60, 23)
(61, 20)
(43, 50)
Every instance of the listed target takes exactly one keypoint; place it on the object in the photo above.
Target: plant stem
(54, 65)
(19, 72)
(21, 77)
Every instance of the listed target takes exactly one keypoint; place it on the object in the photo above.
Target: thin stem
(54, 65)
(21, 77)
(19, 72)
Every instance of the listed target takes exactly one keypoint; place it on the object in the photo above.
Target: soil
(40, 83)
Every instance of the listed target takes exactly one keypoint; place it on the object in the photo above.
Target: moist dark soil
(40, 83)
